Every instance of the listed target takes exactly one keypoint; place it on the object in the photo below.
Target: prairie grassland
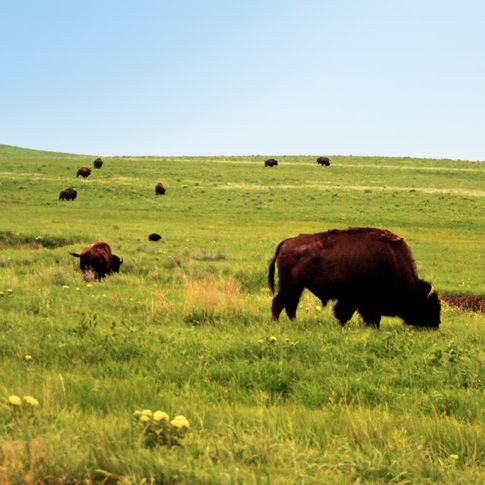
(185, 327)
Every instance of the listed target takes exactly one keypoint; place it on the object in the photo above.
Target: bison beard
(98, 258)
(368, 270)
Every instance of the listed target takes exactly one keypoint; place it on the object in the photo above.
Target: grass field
(185, 327)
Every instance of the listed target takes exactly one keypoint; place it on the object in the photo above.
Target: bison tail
(272, 268)
(75, 255)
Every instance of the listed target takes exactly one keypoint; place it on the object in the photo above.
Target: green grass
(185, 326)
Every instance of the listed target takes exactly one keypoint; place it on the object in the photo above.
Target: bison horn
(431, 293)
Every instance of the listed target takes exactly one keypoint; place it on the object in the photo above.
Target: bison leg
(287, 299)
(343, 311)
(292, 300)
(370, 316)
(277, 306)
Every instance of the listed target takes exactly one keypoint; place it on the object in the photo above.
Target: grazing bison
(364, 269)
(84, 172)
(324, 161)
(154, 237)
(98, 163)
(98, 258)
(159, 189)
(271, 162)
(68, 194)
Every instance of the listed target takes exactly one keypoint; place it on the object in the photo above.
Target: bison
(84, 172)
(98, 163)
(365, 269)
(98, 259)
(271, 162)
(68, 194)
(159, 189)
(154, 237)
(323, 161)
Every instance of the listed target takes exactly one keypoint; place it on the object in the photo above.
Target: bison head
(425, 306)
(116, 262)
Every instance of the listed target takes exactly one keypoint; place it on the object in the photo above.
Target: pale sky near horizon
(368, 77)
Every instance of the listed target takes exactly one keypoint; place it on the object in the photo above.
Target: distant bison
(99, 260)
(271, 162)
(98, 163)
(68, 194)
(324, 161)
(84, 172)
(154, 237)
(364, 269)
(159, 189)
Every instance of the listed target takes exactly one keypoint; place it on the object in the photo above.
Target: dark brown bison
(364, 269)
(84, 172)
(98, 163)
(154, 237)
(68, 194)
(324, 161)
(271, 162)
(98, 259)
(159, 189)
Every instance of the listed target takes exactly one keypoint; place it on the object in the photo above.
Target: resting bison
(84, 172)
(154, 237)
(68, 194)
(98, 163)
(271, 162)
(364, 269)
(324, 161)
(98, 258)
(159, 189)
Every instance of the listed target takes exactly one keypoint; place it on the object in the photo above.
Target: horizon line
(239, 155)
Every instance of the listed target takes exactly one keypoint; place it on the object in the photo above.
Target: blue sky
(362, 77)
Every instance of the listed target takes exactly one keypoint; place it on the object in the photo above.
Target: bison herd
(323, 161)
(366, 270)
(85, 172)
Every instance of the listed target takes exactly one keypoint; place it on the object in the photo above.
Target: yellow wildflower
(144, 418)
(89, 285)
(146, 412)
(180, 422)
(137, 413)
(65, 287)
(272, 339)
(261, 341)
(31, 400)
(454, 457)
(14, 400)
(27, 357)
(78, 289)
(160, 416)
(9, 290)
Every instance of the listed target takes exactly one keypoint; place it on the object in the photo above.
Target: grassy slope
(180, 327)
